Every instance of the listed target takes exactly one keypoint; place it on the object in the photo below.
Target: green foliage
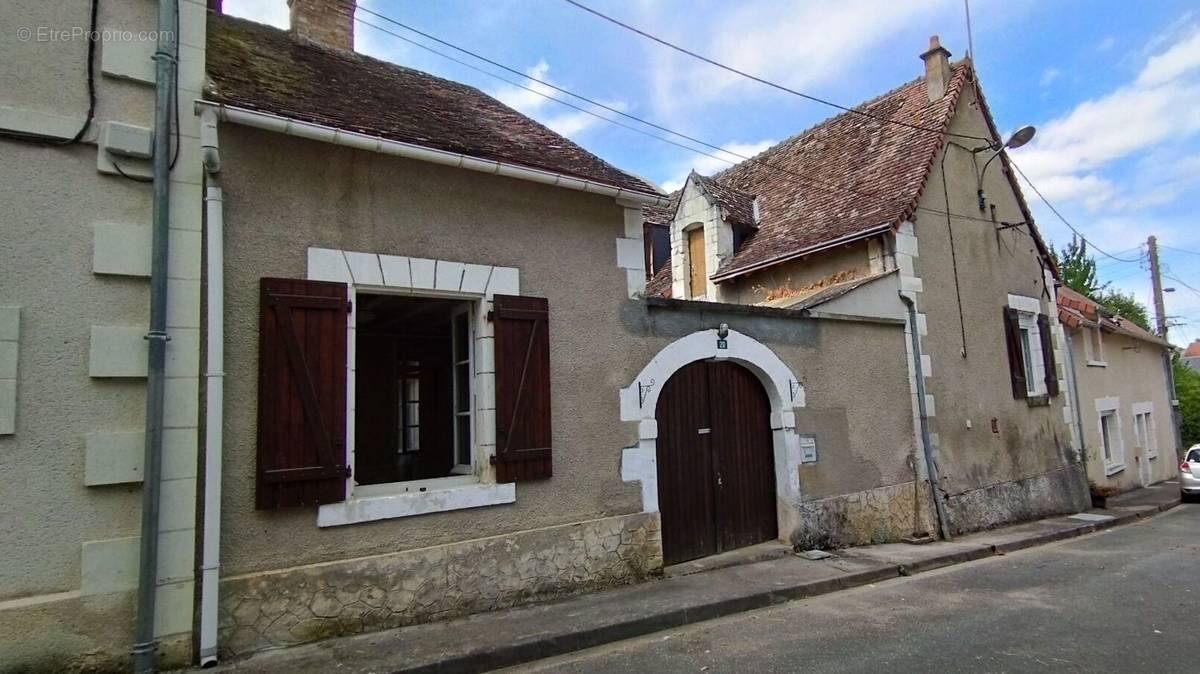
(1124, 305)
(1187, 389)
(1078, 268)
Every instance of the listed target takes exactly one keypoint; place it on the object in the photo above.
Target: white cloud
(734, 152)
(1071, 154)
(795, 44)
(272, 12)
(1049, 76)
(1106, 44)
(532, 100)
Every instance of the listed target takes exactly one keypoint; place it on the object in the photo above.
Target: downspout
(1073, 390)
(214, 390)
(145, 646)
(926, 440)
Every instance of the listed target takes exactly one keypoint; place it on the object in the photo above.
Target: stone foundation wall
(880, 515)
(292, 606)
(1055, 493)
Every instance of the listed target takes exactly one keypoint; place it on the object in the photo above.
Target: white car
(1189, 475)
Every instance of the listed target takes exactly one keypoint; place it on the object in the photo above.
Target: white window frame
(1094, 353)
(381, 274)
(1144, 412)
(1115, 461)
(469, 361)
(1028, 309)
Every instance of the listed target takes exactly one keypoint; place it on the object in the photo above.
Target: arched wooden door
(716, 472)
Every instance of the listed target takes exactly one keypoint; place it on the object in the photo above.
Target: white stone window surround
(1028, 309)
(1111, 407)
(639, 402)
(1147, 408)
(379, 273)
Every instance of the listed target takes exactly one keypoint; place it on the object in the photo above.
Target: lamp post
(1022, 136)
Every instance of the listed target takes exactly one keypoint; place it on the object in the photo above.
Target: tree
(1078, 268)
(1124, 305)
(1187, 390)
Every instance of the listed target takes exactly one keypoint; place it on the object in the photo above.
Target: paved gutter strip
(588, 626)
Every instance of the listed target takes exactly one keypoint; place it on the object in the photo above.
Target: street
(1126, 599)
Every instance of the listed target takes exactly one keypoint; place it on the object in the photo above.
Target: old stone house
(888, 211)
(1123, 418)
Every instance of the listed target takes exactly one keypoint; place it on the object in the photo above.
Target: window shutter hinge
(349, 306)
(491, 317)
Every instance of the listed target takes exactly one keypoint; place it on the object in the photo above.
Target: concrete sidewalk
(502, 638)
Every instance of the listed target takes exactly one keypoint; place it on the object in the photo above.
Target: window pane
(462, 454)
(462, 388)
(1027, 357)
(460, 337)
(1104, 432)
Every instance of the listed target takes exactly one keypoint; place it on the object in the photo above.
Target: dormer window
(697, 263)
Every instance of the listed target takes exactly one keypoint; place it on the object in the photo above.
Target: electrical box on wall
(808, 449)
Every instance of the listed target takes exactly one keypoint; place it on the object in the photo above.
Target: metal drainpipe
(145, 645)
(926, 441)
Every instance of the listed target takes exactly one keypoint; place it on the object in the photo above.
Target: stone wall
(880, 515)
(1055, 493)
(292, 606)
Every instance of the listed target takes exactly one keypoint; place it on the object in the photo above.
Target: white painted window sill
(1097, 363)
(435, 499)
(1113, 469)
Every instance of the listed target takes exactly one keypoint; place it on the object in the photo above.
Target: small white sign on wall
(808, 449)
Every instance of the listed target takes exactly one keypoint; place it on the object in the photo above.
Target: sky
(1113, 88)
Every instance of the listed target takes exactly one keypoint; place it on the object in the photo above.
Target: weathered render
(1120, 370)
(74, 298)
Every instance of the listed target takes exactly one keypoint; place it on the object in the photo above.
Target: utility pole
(1160, 311)
(1160, 318)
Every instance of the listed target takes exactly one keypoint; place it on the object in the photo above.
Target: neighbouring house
(75, 268)
(885, 205)
(1191, 355)
(1124, 400)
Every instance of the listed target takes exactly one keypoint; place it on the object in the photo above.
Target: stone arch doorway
(715, 461)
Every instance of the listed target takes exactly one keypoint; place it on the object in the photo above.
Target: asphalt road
(1124, 600)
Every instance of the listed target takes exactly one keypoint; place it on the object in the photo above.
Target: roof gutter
(826, 245)
(361, 141)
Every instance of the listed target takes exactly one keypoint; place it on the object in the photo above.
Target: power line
(1178, 250)
(1060, 215)
(810, 181)
(767, 82)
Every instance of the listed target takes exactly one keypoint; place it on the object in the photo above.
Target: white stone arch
(639, 401)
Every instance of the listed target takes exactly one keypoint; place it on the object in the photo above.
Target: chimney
(328, 22)
(937, 69)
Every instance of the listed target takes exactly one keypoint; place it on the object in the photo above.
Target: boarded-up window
(698, 274)
(302, 393)
(523, 437)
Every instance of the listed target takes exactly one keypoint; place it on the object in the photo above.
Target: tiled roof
(858, 173)
(1076, 310)
(1193, 350)
(736, 206)
(263, 68)
(659, 285)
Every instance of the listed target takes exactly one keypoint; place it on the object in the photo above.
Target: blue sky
(1113, 87)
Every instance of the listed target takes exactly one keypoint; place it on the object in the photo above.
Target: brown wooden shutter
(302, 393)
(1016, 364)
(1048, 355)
(522, 388)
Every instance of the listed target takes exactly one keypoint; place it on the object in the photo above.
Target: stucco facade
(1000, 459)
(74, 268)
(1126, 381)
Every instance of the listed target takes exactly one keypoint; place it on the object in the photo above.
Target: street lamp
(1022, 136)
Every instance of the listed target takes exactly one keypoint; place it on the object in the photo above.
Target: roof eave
(803, 252)
(328, 134)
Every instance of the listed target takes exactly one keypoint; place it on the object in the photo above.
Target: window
(412, 388)
(657, 239)
(1031, 361)
(1112, 446)
(1143, 427)
(463, 397)
(697, 272)
(1094, 345)
(1027, 359)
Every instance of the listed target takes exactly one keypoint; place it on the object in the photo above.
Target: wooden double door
(716, 468)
